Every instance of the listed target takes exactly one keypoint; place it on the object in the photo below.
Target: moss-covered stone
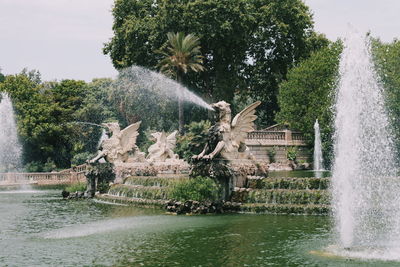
(273, 195)
(137, 191)
(287, 196)
(295, 183)
(134, 201)
(153, 181)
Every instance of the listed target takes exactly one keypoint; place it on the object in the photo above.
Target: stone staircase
(141, 191)
(284, 195)
(261, 195)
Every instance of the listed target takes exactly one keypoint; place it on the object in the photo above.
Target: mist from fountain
(366, 191)
(158, 84)
(318, 160)
(10, 147)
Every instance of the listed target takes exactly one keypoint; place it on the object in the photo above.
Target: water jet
(318, 161)
(10, 148)
(365, 189)
(158, 84)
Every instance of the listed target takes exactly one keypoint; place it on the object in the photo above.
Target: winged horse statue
(226, 138)
(121, 146)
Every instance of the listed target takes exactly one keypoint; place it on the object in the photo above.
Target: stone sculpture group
(121, 146)
(225, 156)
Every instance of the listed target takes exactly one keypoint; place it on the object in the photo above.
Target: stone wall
(260, 152)
(280, 139)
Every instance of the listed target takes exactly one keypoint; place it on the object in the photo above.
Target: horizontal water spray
(158, 84)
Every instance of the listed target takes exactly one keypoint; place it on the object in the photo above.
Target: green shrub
(34, 166)
(292, 153)
(49, 166)
(81, 158)
(193, 141)
(198, 189)
(103, 173)
(78, 187)
(271, 155)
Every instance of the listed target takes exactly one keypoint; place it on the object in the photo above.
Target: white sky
(64, 38)
(381, 17)
(60, 38)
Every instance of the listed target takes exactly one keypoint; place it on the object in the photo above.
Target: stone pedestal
(173, 167)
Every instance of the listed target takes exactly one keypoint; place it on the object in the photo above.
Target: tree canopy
(180, 54)
(248, 45)
(308, 95)
(387, 61)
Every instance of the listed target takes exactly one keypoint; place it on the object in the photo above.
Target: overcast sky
(64, 38)
(381, 17)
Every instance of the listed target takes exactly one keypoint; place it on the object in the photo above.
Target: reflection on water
(40, 229)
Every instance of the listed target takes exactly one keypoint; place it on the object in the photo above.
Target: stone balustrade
(275, 138)
(76, 174)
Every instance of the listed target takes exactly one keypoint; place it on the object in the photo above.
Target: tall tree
(180, 54)
(387, 61)
(44, 111)
(308, 95)
(248, 45)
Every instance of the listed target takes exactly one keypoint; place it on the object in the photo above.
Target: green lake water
(38, 228)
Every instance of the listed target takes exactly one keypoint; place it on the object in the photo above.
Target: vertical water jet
(10, 148)
(318, 161)
(366, 202)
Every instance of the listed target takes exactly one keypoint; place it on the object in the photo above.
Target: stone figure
(164, 147)
(226, 139)
(121, 146)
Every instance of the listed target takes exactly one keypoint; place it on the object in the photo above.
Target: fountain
(318, 161)
(366, 191)
(10, 148)
(225, 156)
(157, 84)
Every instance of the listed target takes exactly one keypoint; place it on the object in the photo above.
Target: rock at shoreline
(65, 194)
(196, 207)
(75, 195)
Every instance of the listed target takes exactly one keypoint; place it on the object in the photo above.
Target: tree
(248, 45)
(2, 77)
(308, 94)
(135, 103)
(180, 54)
(44, 112)
(387, 62)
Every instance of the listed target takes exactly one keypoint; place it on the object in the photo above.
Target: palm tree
(180, 54)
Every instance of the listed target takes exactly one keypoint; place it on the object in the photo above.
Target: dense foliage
(55, 119)
(387, 61)
(308, 95)
(180, 54)
(251, 50)
(46, 116)
(248, 45)
(78, 187)
(194, 140)
(102, 174)
(198, 189)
